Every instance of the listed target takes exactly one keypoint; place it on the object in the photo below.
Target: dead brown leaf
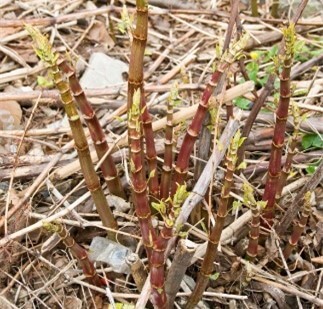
(99, 34)
(10, 109)
(72, 302)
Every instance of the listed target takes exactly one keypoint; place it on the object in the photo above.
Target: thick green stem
(91, 178)
(44, 50)
(108, 166)
(151, 153)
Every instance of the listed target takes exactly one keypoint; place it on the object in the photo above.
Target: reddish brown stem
(151, 153)
(269, 86)
(78, 252)
(252, 249)
(168, 157)
(169, 215)
(274, 168)
(157, 272)
(135, 81)
(138, 177)
(108, 166)
(216, 230)
(299, 226)
(287, 167)
(194, 129)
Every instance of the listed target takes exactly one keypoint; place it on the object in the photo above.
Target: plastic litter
(110, 252)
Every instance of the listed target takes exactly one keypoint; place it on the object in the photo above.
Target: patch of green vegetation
(242, 103)
(311, 168)
(312, 140)
(261, 57)
(304, 52)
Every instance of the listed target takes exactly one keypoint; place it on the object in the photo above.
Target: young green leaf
(214, 276)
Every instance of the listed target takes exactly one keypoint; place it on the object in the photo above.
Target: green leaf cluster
(42, 46)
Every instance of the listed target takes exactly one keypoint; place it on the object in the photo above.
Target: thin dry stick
(137, 269)
(164, 54)
(39, 182)
(8, 199)
(182, 260)
(288, 288)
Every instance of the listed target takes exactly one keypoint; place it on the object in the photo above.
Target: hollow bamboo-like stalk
(252, 249)
(157, 261)
(45, 52)
(138, 177)
(193, 130)
(108, 166)
(299, 226)
(290, 154)
(168, 157)
(135, 81)
(78, 252)
(151, 153)
(274, 169)
(216, 231)
(267, 89)
(157, 271)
